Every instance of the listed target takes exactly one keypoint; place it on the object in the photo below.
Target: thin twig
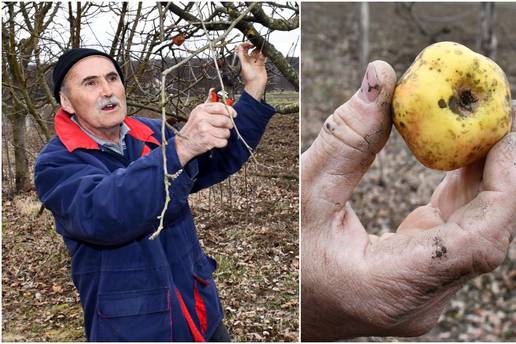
(224, 98)
(166, 175)
(207, 46)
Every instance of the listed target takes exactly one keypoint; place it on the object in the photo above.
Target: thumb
(212, 96)
(242, 50)
(348, 143)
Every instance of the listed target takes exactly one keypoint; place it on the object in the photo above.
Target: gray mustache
(113, 100)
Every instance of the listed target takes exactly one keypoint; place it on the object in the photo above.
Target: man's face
(95, 93)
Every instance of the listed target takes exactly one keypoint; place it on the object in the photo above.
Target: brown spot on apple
(441, 103)
(503, 122)
(453, 104)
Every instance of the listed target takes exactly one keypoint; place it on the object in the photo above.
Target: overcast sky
(104, 25)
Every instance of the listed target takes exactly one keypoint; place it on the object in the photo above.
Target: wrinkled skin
(355, 284)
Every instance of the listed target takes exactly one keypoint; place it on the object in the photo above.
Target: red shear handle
(214, 97)
(218, 97)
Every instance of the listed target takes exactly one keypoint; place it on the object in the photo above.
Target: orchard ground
(249, 224)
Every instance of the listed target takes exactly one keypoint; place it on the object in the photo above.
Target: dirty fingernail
(370, 88)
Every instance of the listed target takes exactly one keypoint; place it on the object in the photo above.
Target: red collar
(73, 137)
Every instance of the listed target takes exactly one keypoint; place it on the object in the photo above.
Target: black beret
(71, 57)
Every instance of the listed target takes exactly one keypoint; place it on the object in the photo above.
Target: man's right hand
(208, 127)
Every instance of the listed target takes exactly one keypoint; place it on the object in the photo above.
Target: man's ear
(66, 104)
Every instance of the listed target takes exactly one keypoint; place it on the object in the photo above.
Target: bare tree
(147, 39)
(19, 81)
(247, 27)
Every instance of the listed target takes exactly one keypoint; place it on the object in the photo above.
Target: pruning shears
(218, 95)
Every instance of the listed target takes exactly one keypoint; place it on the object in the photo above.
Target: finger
(254, 54)
(349, 140)
(246, 45)
(458, 188)
(219, 142)
(219, 109)
(487, 225)
(220, 133)
(422, 218)
(243, 50)
(220, 121)
(210, 92)
(257, 56)
(500, 166)
(490, 215)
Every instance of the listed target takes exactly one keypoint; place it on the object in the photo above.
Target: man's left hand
(254, 73)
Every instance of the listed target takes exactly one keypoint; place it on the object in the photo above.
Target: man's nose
(106, 89)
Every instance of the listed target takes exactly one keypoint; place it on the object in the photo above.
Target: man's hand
(355, 284)
(254, 73)
(208, 127)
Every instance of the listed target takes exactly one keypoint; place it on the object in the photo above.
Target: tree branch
(287, 108)
(274, 24)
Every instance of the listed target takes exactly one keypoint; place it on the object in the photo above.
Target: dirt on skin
(485, 308)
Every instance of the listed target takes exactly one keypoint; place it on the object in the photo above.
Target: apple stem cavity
(464, 105)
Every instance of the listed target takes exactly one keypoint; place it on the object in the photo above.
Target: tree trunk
(7, 163)
(21, 166)
(488, 42)
(364, 34)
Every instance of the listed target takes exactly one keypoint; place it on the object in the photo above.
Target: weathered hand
(398, 284)
(254, 73)
(208, 127)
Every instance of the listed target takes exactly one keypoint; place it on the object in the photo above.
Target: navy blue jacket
(106, 206)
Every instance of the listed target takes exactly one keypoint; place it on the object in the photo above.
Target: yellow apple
(451, 106)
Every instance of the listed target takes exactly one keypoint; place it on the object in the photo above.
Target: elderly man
(102, 178)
